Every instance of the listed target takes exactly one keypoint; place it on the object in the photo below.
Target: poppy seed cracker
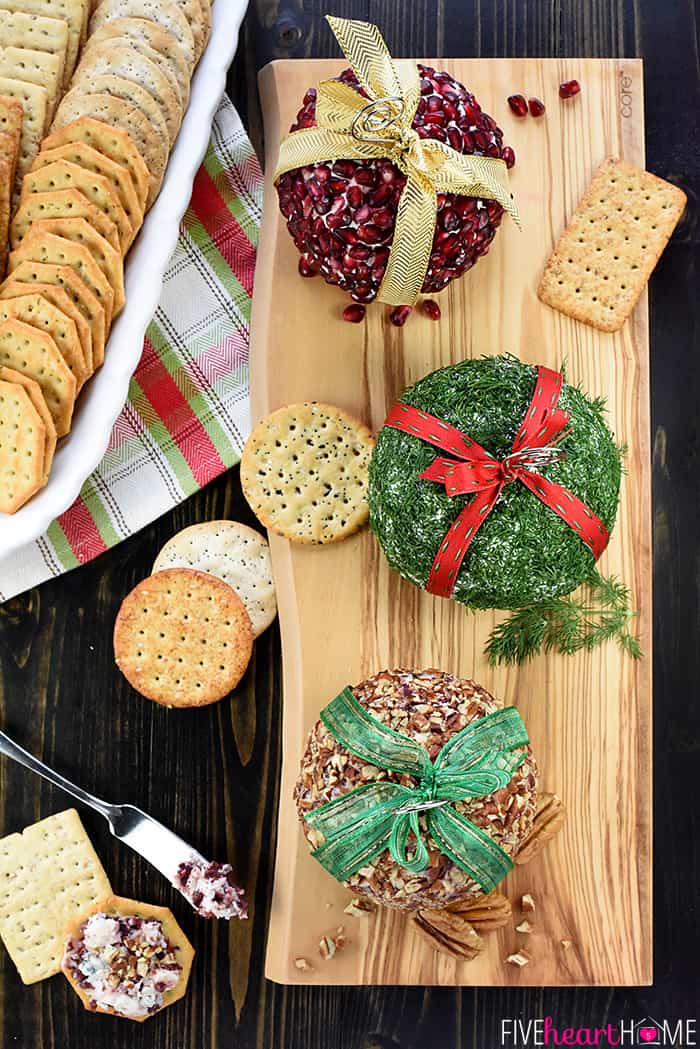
(304, 472)
(613, 241)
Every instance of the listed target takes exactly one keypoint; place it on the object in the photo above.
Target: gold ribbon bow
(349, 126)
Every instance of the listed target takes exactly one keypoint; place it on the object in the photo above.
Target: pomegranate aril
(370, 234)
(508, 155)
(569, 88)
(400, 314)
(536, 107)
(383, 218)
(307, 268)
(355, 196)
(518, 104)
(431, 309)
(354, 313)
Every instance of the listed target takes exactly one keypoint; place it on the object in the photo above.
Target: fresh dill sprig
(599, 612)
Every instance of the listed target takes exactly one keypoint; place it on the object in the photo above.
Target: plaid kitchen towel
(187, 418)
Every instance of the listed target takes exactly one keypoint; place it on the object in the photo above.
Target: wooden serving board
(345, 615)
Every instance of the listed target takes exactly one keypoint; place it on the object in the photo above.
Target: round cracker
(163, 12)
(304, 472)
(114, 39)
(183, 638)
(111, 60)
(122, 115)
(234, 553)
(141, 32)
(192, 10)
(129, 92)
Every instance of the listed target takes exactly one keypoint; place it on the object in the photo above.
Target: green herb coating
(523, 553)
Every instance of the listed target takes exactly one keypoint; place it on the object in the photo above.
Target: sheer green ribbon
(359, 825)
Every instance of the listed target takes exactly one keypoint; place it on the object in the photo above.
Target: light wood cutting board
(345, 615)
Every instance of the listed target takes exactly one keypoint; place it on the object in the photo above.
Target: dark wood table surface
(213, 774)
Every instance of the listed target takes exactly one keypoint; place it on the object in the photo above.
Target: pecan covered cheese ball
(429, 706)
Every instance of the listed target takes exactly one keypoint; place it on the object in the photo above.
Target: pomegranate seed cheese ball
(372, 132)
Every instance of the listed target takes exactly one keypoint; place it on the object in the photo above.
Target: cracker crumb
(524, 927)
(520, 958)
(527, 903)
(303, 965)
(326, 948)
(566, 944)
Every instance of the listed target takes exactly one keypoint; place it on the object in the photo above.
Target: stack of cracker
(82, 193)
(39, 45)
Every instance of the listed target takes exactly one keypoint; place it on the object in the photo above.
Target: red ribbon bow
(474, 470)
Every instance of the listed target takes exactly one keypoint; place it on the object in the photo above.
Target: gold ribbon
(348, 126)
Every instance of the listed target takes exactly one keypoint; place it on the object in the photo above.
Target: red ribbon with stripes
(474, 471)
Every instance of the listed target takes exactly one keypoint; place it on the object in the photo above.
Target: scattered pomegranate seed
(536, 107)
(354, 313)
(509, 156)
(431, 309)
(569, 88)
(400, 314)
(518, 104)
(306, 269)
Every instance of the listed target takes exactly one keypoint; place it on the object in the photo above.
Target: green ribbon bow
(361, 824)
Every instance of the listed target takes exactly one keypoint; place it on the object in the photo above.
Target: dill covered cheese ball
(523, 552)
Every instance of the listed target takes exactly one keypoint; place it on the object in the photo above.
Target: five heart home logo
(648, 1032)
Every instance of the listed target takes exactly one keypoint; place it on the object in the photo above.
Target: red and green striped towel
(187, 416)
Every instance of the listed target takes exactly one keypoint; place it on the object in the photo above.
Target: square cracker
(49, 874)
(18, 29)
(11, 113)
(613, 241)
(72, 12)
(9, 145)
(34, 67)
(35, 101)
(6, 171)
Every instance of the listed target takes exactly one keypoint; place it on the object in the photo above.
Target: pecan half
(449, 933)
(486, 914)
(549, 820)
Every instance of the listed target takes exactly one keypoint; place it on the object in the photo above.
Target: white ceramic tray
(104, 396)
